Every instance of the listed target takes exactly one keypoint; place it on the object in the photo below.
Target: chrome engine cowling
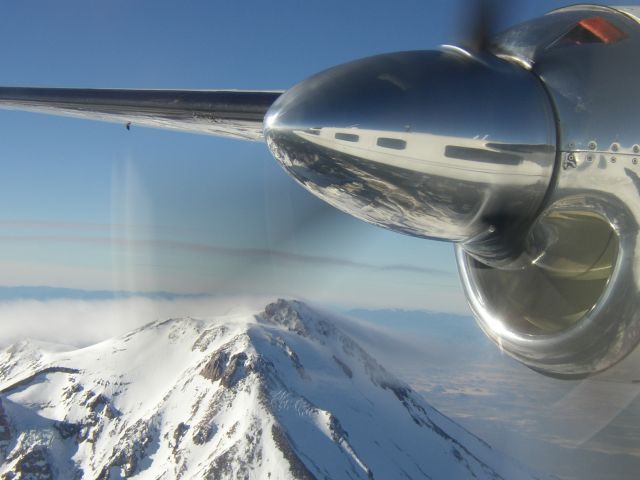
(525, 156)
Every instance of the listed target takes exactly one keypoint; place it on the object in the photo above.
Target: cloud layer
(84, 322)
(257, 254)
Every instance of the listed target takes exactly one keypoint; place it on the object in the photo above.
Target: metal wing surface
(228, 113)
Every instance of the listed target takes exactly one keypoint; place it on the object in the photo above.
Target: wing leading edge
(228, 113)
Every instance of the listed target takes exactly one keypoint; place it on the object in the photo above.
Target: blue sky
(92, 205)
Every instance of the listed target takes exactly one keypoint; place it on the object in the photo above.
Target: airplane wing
(228, 113)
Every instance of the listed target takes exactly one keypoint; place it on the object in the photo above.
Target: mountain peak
(295, 316)
(282, 394)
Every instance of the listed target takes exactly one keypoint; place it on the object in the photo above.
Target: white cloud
(84, 322)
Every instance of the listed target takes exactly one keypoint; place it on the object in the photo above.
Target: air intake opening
(576, 257)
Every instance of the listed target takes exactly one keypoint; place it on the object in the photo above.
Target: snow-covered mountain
(280, 394)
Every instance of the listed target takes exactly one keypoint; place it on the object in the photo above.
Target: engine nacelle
(526, 158)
